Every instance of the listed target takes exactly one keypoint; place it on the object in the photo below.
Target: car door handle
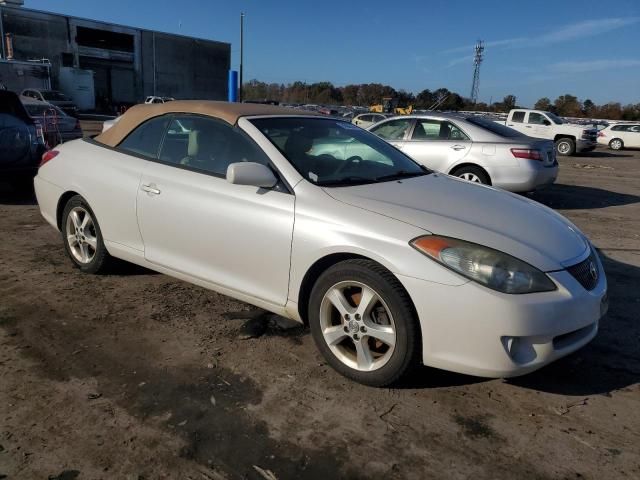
(528, 126)
(458, 147)
(150, 189)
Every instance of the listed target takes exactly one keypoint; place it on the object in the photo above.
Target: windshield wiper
(400, 174)
(350, 180)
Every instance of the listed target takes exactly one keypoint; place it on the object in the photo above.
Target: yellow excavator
(390, 105)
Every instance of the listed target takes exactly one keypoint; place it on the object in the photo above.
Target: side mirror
(251, 173)
(546, 123)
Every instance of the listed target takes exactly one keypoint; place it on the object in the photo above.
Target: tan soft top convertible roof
(228, 112)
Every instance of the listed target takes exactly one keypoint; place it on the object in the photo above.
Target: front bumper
(473, 330)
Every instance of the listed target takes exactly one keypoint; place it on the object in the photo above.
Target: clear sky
(534, 48)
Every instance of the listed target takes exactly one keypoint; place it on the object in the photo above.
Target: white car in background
(620, 136)
(365, 120)
(473, 148)
(389, 264)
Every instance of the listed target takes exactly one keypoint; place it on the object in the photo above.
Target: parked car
(473, 148)
(54, 97)
(154, 99)
(57, 126)
(21, 142)
(389, 263)
(365, 120)
(568, 138)
(620, 136)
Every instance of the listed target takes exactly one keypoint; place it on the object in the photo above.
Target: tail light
(600, 134)
(78, 127)
(527, 153)
(50, 155)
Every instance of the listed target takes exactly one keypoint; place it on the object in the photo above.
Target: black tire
(471, 170)
(101, 262)
(407, 349)
(565, 146)
(616, 144)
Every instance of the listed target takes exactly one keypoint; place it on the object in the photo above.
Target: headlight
(484, 265)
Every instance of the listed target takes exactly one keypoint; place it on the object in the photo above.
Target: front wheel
(82, 237)
(616, 144)
(364, 323)
(565, 146)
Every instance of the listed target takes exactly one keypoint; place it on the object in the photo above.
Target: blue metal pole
(233, 86)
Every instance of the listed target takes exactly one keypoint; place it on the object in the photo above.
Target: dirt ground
(140, 376)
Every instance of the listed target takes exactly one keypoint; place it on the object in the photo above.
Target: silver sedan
(473, 148)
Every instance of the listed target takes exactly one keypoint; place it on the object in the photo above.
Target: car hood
(447, 206)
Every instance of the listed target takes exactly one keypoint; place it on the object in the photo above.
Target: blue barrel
(233, 86)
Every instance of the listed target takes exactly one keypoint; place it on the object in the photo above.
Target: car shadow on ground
(604, 154)
(575, 197)
(612, 360)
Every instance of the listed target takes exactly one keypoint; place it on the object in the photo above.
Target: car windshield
(335, 153)
(495, 127)
(53, 95)
(554, 118)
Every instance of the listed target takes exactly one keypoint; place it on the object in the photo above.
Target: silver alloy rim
(357, 325)
(616, 144)
(81, 235)
(470, 177)
(564, 147)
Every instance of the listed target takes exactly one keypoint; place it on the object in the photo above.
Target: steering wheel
(347, 163)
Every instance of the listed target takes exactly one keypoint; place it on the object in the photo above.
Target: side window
(517, 117)
(437, 130)
(456, 134)
(145, 140)
(393, 130)
(536, 118)
(208, 145)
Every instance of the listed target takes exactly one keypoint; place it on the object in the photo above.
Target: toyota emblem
(593, 271)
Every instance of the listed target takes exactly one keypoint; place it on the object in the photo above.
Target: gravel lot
(140, 376)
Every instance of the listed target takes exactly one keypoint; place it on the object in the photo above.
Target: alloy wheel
(357, 325)
(470, 177)
(564, 148)
(81, 235)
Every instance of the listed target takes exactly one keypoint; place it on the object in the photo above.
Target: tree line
(365, 94)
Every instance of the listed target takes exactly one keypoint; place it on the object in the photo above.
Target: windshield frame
(413, 168)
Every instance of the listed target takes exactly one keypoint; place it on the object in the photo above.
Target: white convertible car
(389, 264)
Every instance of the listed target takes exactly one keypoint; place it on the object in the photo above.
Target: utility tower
(477, 60)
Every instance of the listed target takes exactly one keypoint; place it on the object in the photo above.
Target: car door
(437, 144)
(394, 131)
(538, 125)
(195, 222)
(632, 136)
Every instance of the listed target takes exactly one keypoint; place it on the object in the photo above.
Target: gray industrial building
(116, 65)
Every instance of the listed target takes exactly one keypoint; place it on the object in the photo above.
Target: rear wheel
(363, 322)
(616, 144)
(82, 237)
(565, 146)
(473, 174)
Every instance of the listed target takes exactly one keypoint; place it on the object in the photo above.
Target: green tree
(568, 106)
(543, 104)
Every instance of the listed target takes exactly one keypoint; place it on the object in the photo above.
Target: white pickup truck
(569, 138)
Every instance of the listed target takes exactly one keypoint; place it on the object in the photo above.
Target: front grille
(586, 272)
